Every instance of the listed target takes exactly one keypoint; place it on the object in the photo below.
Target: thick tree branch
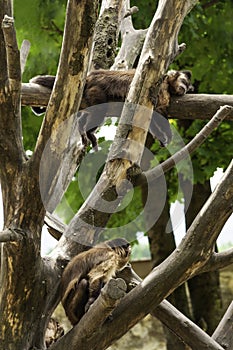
(5, 9)
(13, 54)
(184, 328)
(190, 106)
(218, 261)
(102, 308)
(106, 35)
(57, 140)
(201, 106)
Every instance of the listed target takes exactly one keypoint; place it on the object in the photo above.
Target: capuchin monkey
(88, 272)
(103, 86)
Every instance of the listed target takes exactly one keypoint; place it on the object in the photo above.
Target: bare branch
(201, 106)
(65, 99)
(13, 54)
(224, 332)
(184, 328)
(131, 11)
(189, 106)
(168, 164)
(218, 261)
(6, 8)
(102, 308)
(24, 51)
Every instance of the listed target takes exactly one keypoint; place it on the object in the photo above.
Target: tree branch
(57, 141)
(24, 51)
(184, 328)
(198, 106)
(102, 308)
(106, 35)
(189, 106)
(168, 164)
(13, 54)
(132, 40)
(5, 9)
(218, 261)
(224, 332)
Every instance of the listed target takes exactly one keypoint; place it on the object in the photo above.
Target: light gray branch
(132, 40)
(24, 51)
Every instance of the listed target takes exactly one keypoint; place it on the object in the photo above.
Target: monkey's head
(122, 248)
(179, 82)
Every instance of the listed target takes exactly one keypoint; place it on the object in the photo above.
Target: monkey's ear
(188, 74)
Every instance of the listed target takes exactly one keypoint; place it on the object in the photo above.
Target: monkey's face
(179, 82)
(123, 250)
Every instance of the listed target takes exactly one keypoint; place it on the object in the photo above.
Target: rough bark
(195, 337)
(204, 289)
(224, 332)
(106, 35)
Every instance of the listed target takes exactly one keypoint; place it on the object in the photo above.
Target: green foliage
(41, 22)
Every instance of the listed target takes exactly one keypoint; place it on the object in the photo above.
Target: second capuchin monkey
(103, 86)
(88, 272)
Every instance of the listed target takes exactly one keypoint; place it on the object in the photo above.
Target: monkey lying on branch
(103, 86)
(88, 272)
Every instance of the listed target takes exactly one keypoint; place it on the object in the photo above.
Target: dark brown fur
(86, 274)
(104, 86)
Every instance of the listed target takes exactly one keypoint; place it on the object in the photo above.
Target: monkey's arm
(100, 275)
